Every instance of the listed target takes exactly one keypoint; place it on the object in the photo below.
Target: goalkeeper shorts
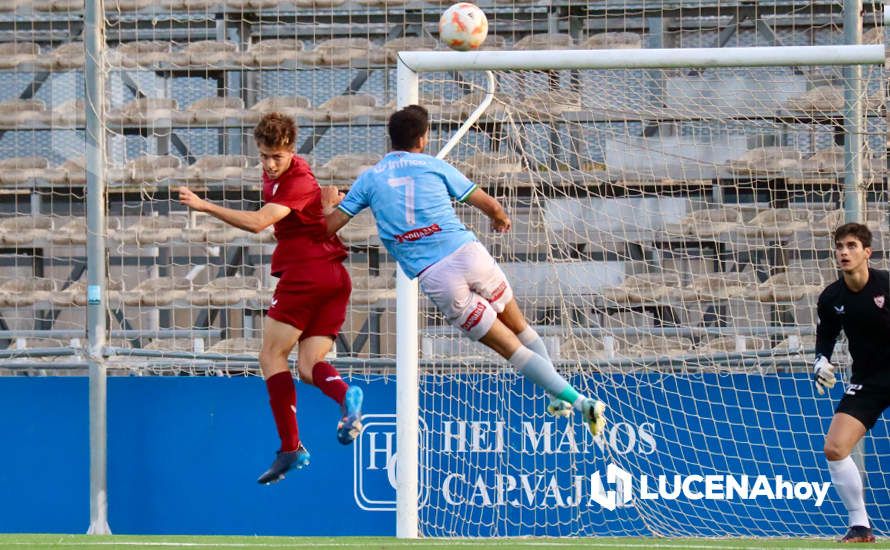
(469, 289)
(864, 403)
(314, 300)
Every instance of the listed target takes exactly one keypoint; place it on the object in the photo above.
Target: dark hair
(407, 126)
(275, 130)
(857, 230)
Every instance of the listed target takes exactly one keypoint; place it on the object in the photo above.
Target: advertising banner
(709, 454)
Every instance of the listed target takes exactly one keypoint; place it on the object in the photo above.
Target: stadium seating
(730, 344)
(213, 110)
(218, 168)
(146, 111)
(361, 230)
(765, 161)
(21, 112)
(207, 229)
(821, 99)
(66, 56)
(707, 223)
(410, 43)
(344, 168)
(489, 168)
(142, 53)
(182, 101)
(648, 345)
(588, 347)
(226, 291)
(613, 40)
(204, 53)
(274, 52)
(343, 51)
(349, 107)
(295, 106)
(546, 41)
(642, 288)
(371, 289)
(776, 223)
(148, 230)
(21, 170)
(70, 113)
(795, 284)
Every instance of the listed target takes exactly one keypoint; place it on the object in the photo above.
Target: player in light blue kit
(410, 195)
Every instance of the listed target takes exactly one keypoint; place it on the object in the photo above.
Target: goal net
(671, 234)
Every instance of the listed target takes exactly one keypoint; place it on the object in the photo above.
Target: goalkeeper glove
(823, 374)
(559, 408)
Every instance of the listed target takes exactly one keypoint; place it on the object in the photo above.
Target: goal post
(505, 132)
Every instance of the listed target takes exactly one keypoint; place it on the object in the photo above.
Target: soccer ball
(463, 27)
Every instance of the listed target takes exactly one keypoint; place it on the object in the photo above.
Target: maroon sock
(328, 380)
(283, 399)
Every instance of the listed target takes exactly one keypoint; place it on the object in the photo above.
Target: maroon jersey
(301, 235)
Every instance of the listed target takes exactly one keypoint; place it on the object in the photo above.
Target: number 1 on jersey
(408, 183)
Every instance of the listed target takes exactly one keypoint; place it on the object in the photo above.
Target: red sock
(283, 399)
(328, 380)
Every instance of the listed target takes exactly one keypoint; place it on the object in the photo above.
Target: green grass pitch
(128, 542)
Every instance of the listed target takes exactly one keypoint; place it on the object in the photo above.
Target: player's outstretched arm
(490, 206)
(248, 220)
(330, 198)
(335, 220)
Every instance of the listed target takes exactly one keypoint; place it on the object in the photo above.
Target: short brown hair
(407, 126)
(275, 130)
(857, 230)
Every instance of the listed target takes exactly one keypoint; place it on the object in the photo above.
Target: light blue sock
(533, 341)
(530, 339)
(541, 372)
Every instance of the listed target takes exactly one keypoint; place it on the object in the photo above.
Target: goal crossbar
(667, 58)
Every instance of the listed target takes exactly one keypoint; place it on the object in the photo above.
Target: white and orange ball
(463, 27)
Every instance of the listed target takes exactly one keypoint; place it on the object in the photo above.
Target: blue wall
(184, 454)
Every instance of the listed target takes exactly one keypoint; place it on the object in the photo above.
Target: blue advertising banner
(705, 454)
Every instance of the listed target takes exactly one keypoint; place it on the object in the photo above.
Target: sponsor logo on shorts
(475, 316)
(416, 234)
(499, 291)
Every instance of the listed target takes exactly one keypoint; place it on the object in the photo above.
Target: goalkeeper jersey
(864, 317)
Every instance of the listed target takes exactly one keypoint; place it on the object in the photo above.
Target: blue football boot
(284, 462)
(351, 424)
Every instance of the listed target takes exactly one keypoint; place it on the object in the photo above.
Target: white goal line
(644, 58)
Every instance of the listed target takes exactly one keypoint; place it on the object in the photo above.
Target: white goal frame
(412, 63)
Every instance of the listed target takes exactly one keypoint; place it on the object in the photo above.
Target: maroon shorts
(313, 300)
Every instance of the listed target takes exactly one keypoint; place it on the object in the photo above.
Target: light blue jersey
(410, 195)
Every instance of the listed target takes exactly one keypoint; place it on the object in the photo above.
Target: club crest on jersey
(879, 301)
(839, 309)
(274, 188)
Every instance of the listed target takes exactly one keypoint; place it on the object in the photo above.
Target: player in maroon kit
(310, 299)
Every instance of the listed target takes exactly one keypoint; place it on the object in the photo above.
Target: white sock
(532, 341)
(541, 372)
(848, 484)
